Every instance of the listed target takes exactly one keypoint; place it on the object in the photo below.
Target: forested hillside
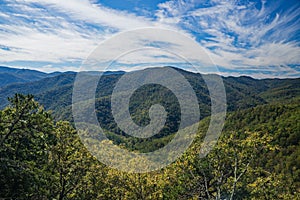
(55, 93)
(256, 157)
(13, 75)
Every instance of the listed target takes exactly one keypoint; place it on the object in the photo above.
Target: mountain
(36, 87)
(255, 157)
(55, 93)
(13, 75)
(54, 90)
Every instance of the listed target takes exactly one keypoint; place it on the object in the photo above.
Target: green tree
(230, 166)
(25, 138)
(70, 163)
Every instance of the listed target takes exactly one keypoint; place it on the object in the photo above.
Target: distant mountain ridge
(10, 75)
(54, 90)
(55, 94)
(14, 75)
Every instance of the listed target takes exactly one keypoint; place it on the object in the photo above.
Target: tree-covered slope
(13, 75)
(256, 157)
(242, 92)
(269, 168)
(55, 93)
(37, 87)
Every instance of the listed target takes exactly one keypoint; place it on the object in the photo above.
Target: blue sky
(258, 38)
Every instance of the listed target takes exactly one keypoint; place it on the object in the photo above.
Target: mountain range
(260, 139)
(54, 92)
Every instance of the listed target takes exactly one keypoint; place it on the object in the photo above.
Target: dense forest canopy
(256, 157)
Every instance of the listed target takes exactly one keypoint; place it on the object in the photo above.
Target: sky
(258, 38)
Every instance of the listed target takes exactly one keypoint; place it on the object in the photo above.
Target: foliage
(257, 157)
(25, 138)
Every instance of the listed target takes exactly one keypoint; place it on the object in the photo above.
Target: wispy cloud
(258, 36)
(58, 31)
(250, 35)
(87, 11)
(34, 33)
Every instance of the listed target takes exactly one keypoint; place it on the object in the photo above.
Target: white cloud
(84, 10)
(236, 37)
(57, 45)
(150, 46)
(61, 31)
(57, 31)
(244, 36)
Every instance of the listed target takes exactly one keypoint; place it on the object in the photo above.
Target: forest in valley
(256, 157)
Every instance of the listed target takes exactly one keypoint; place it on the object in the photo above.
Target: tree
(25, 138)
(70, 163)
(229, 167)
